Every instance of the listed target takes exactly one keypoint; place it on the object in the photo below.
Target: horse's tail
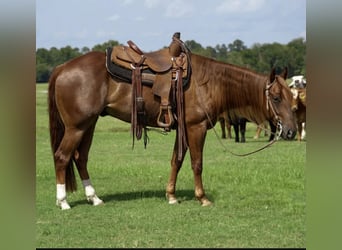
(57, 129)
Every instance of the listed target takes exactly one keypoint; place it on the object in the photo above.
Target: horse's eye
(276, 99)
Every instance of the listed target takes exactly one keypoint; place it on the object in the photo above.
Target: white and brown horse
(299, 107)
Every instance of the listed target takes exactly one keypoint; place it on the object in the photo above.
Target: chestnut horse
(81, 90)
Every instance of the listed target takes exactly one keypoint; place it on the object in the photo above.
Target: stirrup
(168, 117)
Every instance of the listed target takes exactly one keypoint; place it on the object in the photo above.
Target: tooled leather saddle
(166, 71)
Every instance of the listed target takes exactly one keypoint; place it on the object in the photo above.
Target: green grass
(259, 200)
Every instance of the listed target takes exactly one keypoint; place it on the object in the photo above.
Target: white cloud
(239, 6)
(81, 34)
(140, 19)
(151, 3)
(127, 2)
(105, 34)
(59, 35)
(114, 17)
(303, 34)
(178, 8)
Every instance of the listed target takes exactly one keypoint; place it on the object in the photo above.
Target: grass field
(259, 200)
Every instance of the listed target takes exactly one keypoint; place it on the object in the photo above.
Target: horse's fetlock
(199, 194)
(89, 191)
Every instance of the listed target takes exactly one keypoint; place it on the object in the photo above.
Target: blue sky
(151, 23)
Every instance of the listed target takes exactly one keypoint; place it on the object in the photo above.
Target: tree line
(259, 57)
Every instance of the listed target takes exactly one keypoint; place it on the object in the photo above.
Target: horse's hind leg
(300, 130)
(63, 163)
(236, 131)
(243, 123)
(81, 160)
(258, 131)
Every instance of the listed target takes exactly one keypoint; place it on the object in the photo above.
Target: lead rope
(225, 149)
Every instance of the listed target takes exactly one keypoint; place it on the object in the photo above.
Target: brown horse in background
(239, 126)
(81, 90)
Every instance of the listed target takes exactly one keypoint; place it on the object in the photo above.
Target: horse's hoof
(206, 203)
(63, 204)
(172, 199)
(96, 201)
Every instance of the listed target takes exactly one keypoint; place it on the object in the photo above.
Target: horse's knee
(197, 168)
(61, 160)
(61, 169)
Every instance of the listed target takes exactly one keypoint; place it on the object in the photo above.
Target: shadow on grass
(182, 195)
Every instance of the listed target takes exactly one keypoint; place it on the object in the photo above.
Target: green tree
(67, 53)
(236, 52)
(85, 50)
(44, 65)
(221, 51)
(237, 45)
(104, 46)
(297, 54)
(194, 46)
(210, 52)
(43, 72)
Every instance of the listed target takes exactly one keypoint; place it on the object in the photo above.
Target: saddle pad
(125, 74)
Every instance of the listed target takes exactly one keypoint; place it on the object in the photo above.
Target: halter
(269, 105)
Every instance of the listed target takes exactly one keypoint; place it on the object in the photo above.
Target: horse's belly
(120, 103)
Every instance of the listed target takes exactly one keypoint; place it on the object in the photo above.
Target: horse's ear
(284, 73)
(272, 75)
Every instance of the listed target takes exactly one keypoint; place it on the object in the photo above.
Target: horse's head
(278, 104)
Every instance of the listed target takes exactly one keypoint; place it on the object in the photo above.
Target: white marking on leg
(303, 131)
(173, 201)
(61, 197)
(90, 193)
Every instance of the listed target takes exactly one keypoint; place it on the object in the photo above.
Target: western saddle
(166, 71)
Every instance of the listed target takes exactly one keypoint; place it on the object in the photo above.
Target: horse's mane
(234, 88)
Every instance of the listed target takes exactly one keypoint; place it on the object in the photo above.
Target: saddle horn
(175, 47)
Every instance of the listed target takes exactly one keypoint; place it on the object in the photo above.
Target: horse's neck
(232, 88)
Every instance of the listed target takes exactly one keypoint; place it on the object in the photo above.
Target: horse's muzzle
(289, 134)
(285, 132)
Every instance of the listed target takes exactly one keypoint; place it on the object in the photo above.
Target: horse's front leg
(196, 139)
(175, 167)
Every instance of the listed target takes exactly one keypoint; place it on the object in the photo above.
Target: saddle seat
(158, 61)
